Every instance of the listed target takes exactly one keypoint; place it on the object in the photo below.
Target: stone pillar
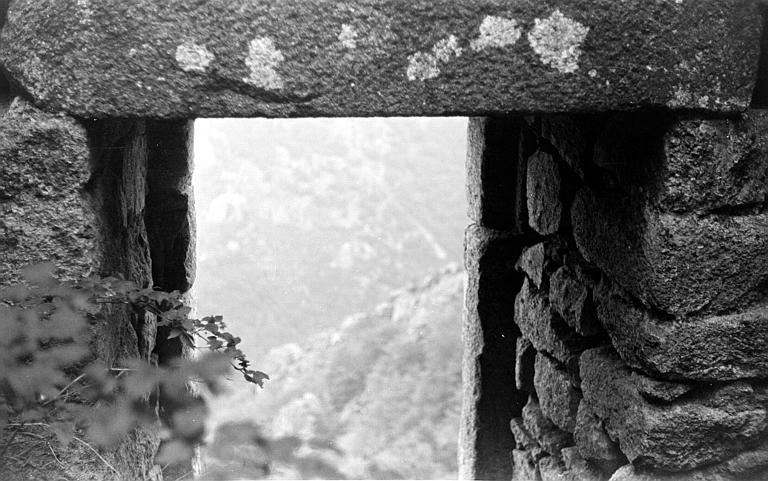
(645, 299)
(490, 398)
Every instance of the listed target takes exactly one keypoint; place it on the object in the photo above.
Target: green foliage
(49, 377)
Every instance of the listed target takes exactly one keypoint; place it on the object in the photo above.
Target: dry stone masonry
(616, 308)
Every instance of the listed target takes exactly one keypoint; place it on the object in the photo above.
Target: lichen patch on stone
(496, 32)
(192, 57)
(262, 61)
(557, 41)
(85, 11)
(348, 37)
(447, 48)
(424, 66)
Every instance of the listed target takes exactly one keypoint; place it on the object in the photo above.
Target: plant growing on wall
(49, 377)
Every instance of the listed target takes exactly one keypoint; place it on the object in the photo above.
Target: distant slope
(303, 222)
(378, 397)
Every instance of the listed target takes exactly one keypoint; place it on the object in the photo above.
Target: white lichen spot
(557, 41)
(85, 11)
(424, 66)
(592, 73)
(262, 60)
(447, 48)
(192, 57)
(348, 37)
(496, 32)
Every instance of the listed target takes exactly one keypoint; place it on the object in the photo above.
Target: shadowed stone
(593, 442)
(525, 359)
(546, 331)
(181, 59)
(524, 467)
(558, 399)
(571, 298)
(713, 348)
(543, 193)
(550, 437)
(710, 427)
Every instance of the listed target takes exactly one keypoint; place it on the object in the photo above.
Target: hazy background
(333, 246)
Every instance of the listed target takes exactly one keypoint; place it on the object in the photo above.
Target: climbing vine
(50, 378)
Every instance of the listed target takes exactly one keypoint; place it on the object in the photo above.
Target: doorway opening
(334, 246)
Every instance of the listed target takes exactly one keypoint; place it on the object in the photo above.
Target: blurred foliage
(49, 376)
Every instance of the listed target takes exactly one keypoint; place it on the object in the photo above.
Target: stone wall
(617, 301)
(641, 316)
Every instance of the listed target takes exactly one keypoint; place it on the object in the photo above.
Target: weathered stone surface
(571, 297)
(679, 263)
(525, 360)
(524, 467)
(542, 187)
(713, 348)
(496, 174)
(558, 399)
(572, 136)
(681, 227)
(489, 333)
(578, 467)
(533, 262)
(710, 427)
(593, 442)
(523, 439)
(546, 331)
(345, 58)
(549, 436)
(658, 391)
(713, 165)
(43, 217)
(577, 470)
(749, 465)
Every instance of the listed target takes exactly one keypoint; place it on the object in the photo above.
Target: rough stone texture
(523, 439)
(750, 465)
(524, 467)
(682, 226)
(546, 331)
(533, 261)
(489, 336)
(593, 442)
(525, 359)
(336, 58)
(496, 174)
(543, 193)
(714, 348)
(558, 399)
(577, 469)
(658, 391)
(712, 426)
(715, 165)
(572, 137)
(43, 216)
(570, 296)
(550, 437)
(680, 263)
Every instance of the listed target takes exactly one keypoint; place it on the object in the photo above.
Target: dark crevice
(760, 94)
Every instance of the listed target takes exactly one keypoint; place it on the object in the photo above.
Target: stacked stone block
(643, 323)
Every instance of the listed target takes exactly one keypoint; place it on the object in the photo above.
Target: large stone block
(43, 216)
(679, 263)
(593, 442)
(181, 59)
(682, 227)
(749, 465)
(709, 426)
(525, 362)
(558, 399)
(713, 348)
(571, 298)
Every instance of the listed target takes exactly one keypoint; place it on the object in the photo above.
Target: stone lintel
(301, 58)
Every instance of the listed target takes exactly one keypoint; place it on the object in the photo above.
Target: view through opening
(334, 248)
